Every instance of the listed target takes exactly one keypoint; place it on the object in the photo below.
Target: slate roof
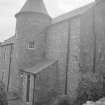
(34, 6)
(42, 65)
(73, 13)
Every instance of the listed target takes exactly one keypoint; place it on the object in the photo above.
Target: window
(31, 45)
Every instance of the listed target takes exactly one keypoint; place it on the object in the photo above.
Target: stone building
(6, 52)
(50, 55)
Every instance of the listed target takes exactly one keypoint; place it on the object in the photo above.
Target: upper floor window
(31, 45)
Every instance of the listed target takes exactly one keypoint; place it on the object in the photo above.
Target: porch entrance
(28, 80)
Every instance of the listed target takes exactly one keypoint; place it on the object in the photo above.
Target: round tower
(31, 25)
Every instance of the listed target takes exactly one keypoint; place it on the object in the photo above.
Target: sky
(8, 8)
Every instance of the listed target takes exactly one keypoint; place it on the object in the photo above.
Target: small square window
(31, 45)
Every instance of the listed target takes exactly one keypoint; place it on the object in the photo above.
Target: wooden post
(21, 79)
(28, 88)
(33, 103)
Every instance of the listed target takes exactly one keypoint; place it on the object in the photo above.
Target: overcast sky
(10, 7)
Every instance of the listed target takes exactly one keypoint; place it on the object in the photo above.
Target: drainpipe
(33, 101)
(67, 58)
(94, 41)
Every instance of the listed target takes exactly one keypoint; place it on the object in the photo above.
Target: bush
(48, 99)
(90, 87)
(3, 95)
(62, 100)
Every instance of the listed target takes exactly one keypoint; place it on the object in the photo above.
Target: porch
(36, 82)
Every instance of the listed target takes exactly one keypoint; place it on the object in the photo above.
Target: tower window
(31, 44)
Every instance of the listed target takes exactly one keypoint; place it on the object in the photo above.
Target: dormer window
(31, 45)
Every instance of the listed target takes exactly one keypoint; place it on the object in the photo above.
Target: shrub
(62, 100)
(48, 99)
(3, 94)
(90, 87)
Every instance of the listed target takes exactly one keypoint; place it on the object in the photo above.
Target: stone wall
(92, 38)
(52, 43)
(86, 41)
(74, 55)
(47, 84)
(100, 35)
(30, 30)
(57, 48)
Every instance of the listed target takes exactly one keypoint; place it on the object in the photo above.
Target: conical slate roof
(34, 6)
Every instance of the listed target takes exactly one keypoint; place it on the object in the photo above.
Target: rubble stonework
(72, 40)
